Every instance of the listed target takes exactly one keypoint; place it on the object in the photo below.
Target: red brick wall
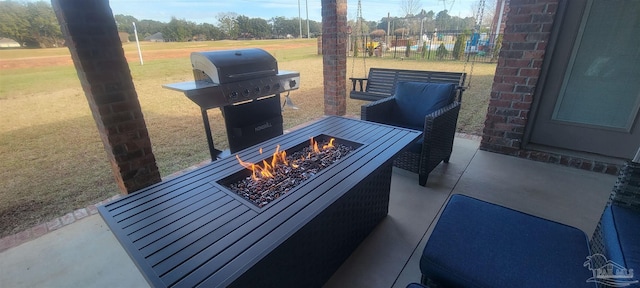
(92, 37)
(527, 31)
(334, 55)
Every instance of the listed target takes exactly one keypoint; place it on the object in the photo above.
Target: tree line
(229, 26)
(413, 24)
(34, 24)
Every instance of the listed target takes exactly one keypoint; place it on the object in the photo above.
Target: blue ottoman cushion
(621, 236)
(479, 244)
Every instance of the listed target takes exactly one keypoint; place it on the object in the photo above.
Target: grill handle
(253, 74)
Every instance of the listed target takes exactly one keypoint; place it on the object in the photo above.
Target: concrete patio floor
(86, 254)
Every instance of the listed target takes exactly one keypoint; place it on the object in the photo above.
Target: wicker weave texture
(310, 256)
(408, 161)
(626, 193)
(439, 132)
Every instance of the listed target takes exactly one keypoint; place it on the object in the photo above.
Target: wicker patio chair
(429, 107)
(625, 194)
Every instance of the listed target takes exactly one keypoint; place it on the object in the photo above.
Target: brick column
(334, 56)
(527, 32)
(90, 33)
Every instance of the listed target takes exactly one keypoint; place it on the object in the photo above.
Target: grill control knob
(276, 86)
(257, 89)
(234, 95)
(292, 83)
(267, 88)
(246, 92)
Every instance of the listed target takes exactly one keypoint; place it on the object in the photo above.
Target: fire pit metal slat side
(355, 169)
(339, 228)
(222, 244)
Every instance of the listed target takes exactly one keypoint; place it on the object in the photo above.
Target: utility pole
(388, 29)
(421, 32)
(299, 20)
(307, 6)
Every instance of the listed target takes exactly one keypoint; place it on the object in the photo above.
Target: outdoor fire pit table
(192, 230)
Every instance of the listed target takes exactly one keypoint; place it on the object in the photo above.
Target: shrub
(378, 33)
(496, 48)
(400, 31)
(408, 49)
(355, 48)
(371, 46)
(441, 52)
(424, 49)
(458, 47)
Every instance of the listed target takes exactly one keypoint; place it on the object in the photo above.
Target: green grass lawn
(53, 161)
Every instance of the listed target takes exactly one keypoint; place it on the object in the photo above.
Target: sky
(205, 11)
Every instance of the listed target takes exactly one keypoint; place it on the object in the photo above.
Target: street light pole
(135, 31)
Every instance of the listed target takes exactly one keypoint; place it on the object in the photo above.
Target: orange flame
(328, 145)
(267, 170)
(315, 147)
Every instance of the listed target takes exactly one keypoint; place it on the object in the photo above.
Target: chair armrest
(459, 96)
(354, 80)
(439, 132)
(378, 111)
(626, 192)
(444, 115)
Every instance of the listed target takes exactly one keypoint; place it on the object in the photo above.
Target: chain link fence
(446, 45)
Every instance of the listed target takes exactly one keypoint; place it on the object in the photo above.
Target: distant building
(8, 43)
(155, 37)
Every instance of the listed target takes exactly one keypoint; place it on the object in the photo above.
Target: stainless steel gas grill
(246, 85)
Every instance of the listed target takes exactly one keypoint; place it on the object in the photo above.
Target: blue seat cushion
(416, 100)
(479, 244)
(621, 229)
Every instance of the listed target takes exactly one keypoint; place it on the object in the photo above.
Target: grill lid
(228, 66)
